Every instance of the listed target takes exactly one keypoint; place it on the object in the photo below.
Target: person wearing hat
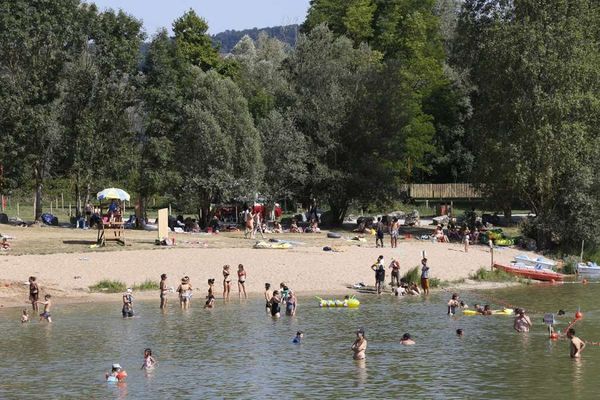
(359, 347)
(127, 310)
(117, 374)
(185, 292)
(424, 276)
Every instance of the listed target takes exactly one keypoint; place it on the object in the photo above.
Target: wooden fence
(441, 191)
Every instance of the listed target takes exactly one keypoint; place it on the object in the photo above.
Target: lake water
(236, 351)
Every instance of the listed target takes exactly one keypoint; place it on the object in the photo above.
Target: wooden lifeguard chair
(112, 226)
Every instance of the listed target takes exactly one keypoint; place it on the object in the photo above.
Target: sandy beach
(307, 269)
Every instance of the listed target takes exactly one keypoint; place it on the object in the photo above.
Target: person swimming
(460, 332)
(407, 340)
(486, 310)
(298, 338)
(117, 374)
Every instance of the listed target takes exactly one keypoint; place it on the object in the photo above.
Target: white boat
(539, 262)
(590, 268)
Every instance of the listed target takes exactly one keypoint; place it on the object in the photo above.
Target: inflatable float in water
(350, 302)
(506, 311)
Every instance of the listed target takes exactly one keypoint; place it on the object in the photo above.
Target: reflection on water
(236, 351)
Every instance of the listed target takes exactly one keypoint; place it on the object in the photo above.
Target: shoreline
(16, 300)
(306, 269)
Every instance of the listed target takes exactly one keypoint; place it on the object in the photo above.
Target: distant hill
(228, 39)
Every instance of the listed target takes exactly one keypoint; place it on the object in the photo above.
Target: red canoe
(531, 272)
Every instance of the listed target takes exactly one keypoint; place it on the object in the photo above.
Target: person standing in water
(163, 291)
(577, 345)
(453, 304)
(291, 304)
(47, 305)
(424, 276)
(522, 322)
(275, 304)
(149, 361)
(226, 282)
(185, 292)
(24, 317)
(359, 347)
(127, 309)
(241, 281)
(34, 292)
(268, 294)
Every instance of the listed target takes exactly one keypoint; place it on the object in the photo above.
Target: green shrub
(108, 286)
(412, 275)
(147, 285)
(496, 275)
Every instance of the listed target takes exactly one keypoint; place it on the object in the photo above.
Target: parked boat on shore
(590, 268)
(532, 272)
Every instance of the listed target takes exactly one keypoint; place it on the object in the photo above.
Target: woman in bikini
(241, 281)
(185, 292)
(226, 282)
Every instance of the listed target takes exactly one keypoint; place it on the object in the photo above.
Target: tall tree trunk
(77, 197)
(39, 185)
(338, 211)
(508, 215)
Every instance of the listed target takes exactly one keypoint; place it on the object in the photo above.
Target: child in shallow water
(149, 361)
(24, 317)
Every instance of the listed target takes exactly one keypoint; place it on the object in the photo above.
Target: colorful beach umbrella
(113, 194)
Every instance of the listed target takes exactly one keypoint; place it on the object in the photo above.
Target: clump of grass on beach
(496, 275)
(412, 276)
(146, 285)
(109, 286)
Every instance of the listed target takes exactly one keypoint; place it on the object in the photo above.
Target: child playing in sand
(24, 317)
(47, 305)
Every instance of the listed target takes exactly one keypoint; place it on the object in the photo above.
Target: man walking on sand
(425, 276)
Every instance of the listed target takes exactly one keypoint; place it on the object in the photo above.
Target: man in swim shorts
(395, 266)
(577, 345)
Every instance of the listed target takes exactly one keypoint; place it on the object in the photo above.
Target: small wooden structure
(112, 226)
(111, 229)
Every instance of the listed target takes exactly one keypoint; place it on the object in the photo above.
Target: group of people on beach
(400, 286)
(284, 297)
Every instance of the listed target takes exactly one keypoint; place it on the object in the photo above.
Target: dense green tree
(535, 66)
(193, 42)
(37, 40)
(157, 119)
(218, 146)
(97, 92)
